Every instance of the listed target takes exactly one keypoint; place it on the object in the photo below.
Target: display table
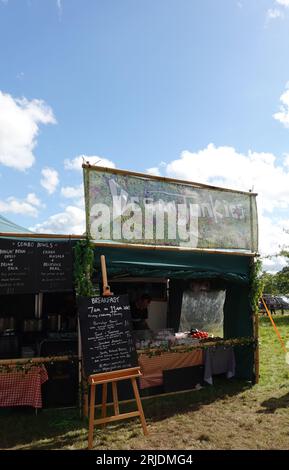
(22, 388)
(219, 360)
(152, 367)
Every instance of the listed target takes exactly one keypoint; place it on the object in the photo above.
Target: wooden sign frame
(113, 377)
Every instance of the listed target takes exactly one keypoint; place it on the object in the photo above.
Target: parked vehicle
(275, 302)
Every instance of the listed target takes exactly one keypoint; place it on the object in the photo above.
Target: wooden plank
(115, 398)
(37, 360)
(41, 235)
(164, 179)
(114, 375)
(257, 352)
(104, 400)
(109, 419)
(139, 406)
(91, 416)
(172, 248)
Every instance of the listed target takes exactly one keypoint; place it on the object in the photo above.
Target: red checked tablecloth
(22, 388)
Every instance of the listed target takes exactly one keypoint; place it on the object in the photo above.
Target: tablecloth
(152, 367)
(22, 388)
(219, 360)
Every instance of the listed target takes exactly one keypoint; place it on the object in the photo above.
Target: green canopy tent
(179, 265)
(8, 227)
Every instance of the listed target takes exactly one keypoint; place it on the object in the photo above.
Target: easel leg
(104, 399)
(139, 406)
(115, 398)
(91, 417)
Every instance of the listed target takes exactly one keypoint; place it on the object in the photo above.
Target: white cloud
(34, 200)
(274, 13)
(69, 221)
(19, 127)
(49, 180)
(286, 160)
(72, 192)
(28, 206)
(76, 163)
(225, 167)
(155, 170)
(284, 3)
(59, 8)
(283, 114)
(75, 193)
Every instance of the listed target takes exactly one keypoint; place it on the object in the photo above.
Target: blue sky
(146, 85)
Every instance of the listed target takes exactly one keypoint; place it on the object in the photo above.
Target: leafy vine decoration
(83, 268)
(256, 284)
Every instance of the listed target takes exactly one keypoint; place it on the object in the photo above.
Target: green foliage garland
(83, 268)
(246, 341)
(26, 366)
(256, 284)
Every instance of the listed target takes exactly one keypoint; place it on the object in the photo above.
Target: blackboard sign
(28, 267)
(106, 334)
(54, 266)
(17, 266)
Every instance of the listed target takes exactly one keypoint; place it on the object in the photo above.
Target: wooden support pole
(105, 286)
(104, 400)
(115, 398)
(257, 350)
(91, 417)
(139, 406)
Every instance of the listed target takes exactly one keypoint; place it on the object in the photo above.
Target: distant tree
(282, 280)
(269, 283)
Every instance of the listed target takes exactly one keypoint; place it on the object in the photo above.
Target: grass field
(230, 415)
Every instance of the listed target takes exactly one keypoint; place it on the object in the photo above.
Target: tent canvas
(6, 226)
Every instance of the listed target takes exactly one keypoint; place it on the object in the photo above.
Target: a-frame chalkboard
(106, 334)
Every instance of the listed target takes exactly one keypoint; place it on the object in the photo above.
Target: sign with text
(29, 266)
(17, 266)
(140, 209)
(54, 266)
(106, 334)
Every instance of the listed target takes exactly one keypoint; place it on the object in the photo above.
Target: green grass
(230, 415)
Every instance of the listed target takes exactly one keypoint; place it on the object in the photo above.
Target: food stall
(38, 318)
(197, 272)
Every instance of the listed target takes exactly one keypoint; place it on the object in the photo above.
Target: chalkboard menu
(17, 266)
(54, 266)
(106, 334)
(28, 267)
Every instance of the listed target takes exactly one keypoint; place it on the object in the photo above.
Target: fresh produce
(199, 334)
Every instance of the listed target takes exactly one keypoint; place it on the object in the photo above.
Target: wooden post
(91, 416)
(257, 350)
(105, 286)
(104, 399)
(115, 398)
(139, 406)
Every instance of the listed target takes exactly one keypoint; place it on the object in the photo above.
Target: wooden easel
(113, 377)
(105, 287)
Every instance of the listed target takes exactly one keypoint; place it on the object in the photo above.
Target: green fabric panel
(174, 264)
(238, 323)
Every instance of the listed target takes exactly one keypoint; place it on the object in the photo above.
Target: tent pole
(257, 350)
